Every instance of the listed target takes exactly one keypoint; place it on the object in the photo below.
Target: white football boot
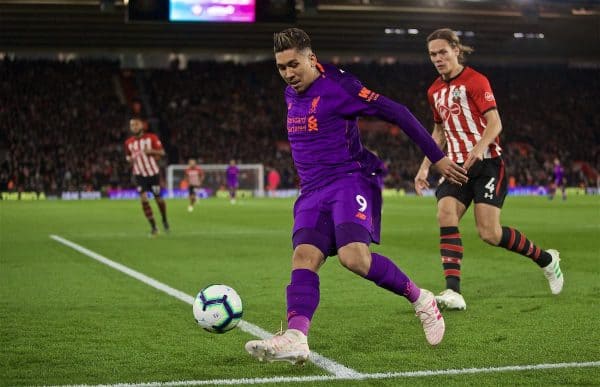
(553, 273)
(432, 320)
(451, 300)
(290, 346)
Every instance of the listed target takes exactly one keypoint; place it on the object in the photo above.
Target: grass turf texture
(66, 319)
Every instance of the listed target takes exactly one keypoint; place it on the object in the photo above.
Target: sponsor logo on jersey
(367, 94)
(446, 111)
(361, 216)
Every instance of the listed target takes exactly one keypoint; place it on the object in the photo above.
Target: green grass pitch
(68, 319)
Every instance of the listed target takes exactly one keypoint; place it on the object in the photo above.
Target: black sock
(148, 213)
(451, 250)
(514, 240)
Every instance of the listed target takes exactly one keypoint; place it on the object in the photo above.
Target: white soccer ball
(217, 308)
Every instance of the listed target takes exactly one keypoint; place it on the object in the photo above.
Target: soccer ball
(217, 308)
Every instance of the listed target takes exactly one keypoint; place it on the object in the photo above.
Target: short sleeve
(482, 94)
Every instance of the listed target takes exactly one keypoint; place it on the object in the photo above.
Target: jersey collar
(454, 77)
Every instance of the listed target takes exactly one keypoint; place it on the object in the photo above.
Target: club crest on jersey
(313, 105)
(456, 95)
(312, 124)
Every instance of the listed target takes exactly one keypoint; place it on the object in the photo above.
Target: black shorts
(487, 184)
(192, 189)
(148, 183)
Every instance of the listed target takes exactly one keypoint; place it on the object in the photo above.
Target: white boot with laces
(290, 346)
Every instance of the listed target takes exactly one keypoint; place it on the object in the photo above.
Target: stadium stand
(63, 123)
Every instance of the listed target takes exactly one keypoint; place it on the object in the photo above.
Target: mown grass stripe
(319, 360)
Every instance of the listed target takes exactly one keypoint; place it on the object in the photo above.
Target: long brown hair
(453, 40)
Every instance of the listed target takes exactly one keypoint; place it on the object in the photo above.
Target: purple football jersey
(322, 125)
(232, 176)
(559, 174)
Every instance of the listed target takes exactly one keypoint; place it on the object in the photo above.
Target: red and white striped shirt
(194, 176)
(459, 105)
(143, 164)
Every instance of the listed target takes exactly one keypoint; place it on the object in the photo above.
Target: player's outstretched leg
(548, 260)
(290, 346)
(553, 273)
(387, 275)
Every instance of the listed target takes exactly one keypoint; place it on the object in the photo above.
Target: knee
(355, 257)
(489, 234)
(307, 257)
(447, 217)
(349, 262)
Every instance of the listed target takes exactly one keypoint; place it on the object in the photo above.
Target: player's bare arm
(492, 130)
(421, 182)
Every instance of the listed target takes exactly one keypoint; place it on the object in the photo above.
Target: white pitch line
(319, 360)
(326, 378)
(339, 371)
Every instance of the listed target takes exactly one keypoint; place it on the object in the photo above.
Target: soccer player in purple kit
(232, 180)
(339, 208)
(558, 174)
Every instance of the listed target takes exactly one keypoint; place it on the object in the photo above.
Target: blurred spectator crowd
(62, 125)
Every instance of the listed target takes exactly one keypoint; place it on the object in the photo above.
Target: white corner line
(338, 371)
(326, 378)
(320, 361)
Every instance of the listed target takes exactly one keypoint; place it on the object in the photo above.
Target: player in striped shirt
(467, 124)
(194, 175)
(142, 150)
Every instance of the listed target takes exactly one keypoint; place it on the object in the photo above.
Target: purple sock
(301, 323)
(302, 299)
(386, 274)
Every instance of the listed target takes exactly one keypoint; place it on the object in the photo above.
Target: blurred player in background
(232, 180)
(558, 181)
(194, 175)
(273, 180)
(339, 209)
(467, 122)
(142, 150)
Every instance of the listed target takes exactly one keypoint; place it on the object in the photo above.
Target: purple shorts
(348, 210)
